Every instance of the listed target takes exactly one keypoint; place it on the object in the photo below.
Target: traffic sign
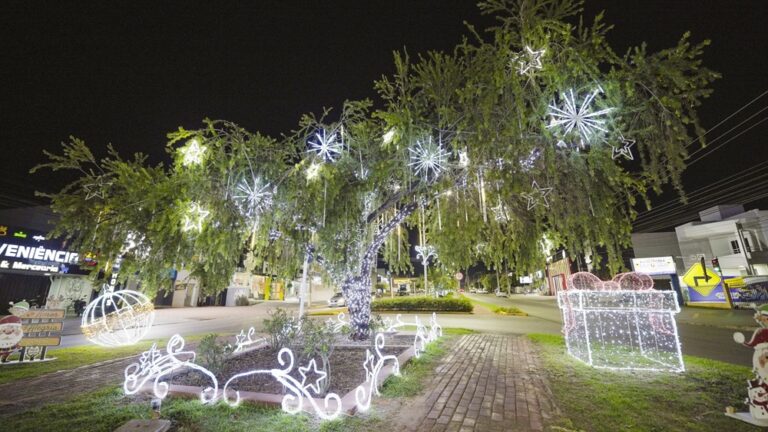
(459, 276)
(701, 279)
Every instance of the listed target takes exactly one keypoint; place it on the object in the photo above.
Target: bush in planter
(317, 340)
(211, 353)
(426, 304)
(282, 328)
(242, 301)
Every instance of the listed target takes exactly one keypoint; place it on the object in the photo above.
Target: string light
(625, 150)
(372, 366)
(194, 217)
(154, 365)
(192, 153)
(244, 340)
(580, 117)
(537, 196)
(620, 324)
(428, 159)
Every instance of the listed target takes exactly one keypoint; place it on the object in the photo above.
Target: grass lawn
(107, 409)
(511, 310)
(602, 400)
(71, 358)
(328, 311)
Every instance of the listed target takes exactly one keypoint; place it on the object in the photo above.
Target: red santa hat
(760, 336)
(10, 319)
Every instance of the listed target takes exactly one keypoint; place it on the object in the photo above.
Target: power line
(729, 140)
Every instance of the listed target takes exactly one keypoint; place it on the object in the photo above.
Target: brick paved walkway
(487, 383)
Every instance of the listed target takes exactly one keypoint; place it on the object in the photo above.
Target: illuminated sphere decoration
(118, 318)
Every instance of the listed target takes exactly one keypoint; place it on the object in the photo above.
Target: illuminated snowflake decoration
(194, 218)
(537, 196)
(527, 61)
(428, 159)
(192, 153)
(326, 146)
(625, 150)
(254, 197)
(580, 117)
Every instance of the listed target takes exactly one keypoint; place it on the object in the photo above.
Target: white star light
(625, 150)
(312, 367)
(192, 153)
(528, 60)
(253, 197)
(327, 147)
(428, 159)
(463, 159)
(537, 196)
(500, 213)
(195, 217)
(578, 116)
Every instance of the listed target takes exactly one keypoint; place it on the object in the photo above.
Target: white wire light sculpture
(580, 117)
(428, 159)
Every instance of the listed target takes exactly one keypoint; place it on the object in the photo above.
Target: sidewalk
(486, 383)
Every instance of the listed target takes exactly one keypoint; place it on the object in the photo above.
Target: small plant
(211, 353)
(241, 301)
(318, 338)
(282, 328)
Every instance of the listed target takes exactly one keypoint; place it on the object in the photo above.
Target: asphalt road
(710, 341)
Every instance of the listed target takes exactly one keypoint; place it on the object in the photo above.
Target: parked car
(337, 300)
(500, 293)
(402, 291)
(482, 291)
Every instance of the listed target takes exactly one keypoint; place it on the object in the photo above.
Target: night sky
(127, 72)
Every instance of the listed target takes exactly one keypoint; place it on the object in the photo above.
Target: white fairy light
(153, 365)
(389, 136)
(428, 159)
(298, 392)
(528, 61)
(194, 217)
(326, 146)
(613, 326)
(253, 197)
(463, 159)
(529, 162)
(625, 150)
(372, 365)
(244, 340)
(538, 195)
(580, 117)
(192, 153)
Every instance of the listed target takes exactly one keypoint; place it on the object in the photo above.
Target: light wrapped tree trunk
(357, 287)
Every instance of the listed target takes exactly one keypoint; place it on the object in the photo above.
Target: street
(703, 333)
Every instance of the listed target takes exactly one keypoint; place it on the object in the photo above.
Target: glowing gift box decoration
(621, 324)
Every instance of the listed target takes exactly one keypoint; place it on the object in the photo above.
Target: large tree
(454, 151)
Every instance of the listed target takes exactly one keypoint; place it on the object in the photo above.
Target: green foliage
(281, 327)
(478, 103)
(317, 339)
(414, 375)
(211, 353)
(444, 304)
(604, 400)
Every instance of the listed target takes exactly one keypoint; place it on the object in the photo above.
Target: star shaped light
(192, 153)
(580, 117)
(500, 213)
(537, 196)
(428, 159)
(194, 218)
(528, 60)
(254, 196)
(96, 189)
(463, 159)
(312, 368)
(625, 150)
(369, 365)
(241, 338)
(327, 146)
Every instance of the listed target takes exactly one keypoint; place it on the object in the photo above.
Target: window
(746, 245)
(735, 246)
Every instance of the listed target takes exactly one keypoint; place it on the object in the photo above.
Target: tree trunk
(357, 287)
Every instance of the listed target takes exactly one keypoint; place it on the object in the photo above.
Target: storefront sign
(654, 265)
(29, 251)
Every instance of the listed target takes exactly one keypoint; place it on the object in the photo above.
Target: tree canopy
(458, 142)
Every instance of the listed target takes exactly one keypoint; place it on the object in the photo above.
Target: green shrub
(241, 301)
(212, 353)
(429, 304)
(282, 328)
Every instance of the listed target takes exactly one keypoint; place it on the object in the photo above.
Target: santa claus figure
(10, 336)
(757, 389)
